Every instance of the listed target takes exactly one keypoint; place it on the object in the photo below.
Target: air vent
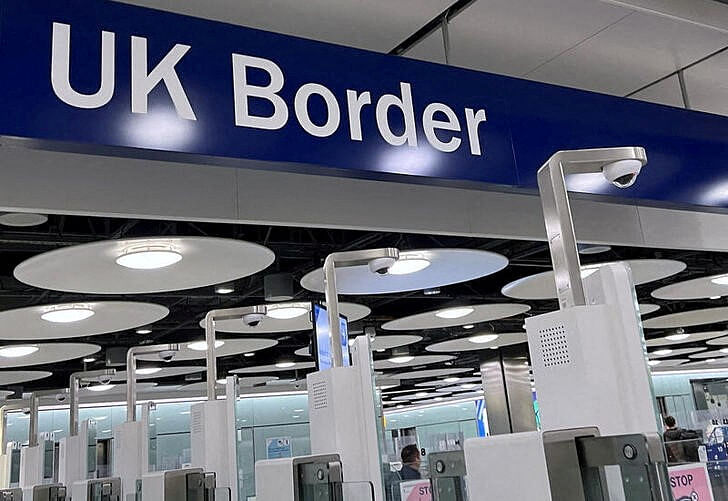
(554, 346)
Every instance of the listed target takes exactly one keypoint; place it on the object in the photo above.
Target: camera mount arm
(74, 382)
(131, 391)
(345, 260)
(210, 338)
(557, 210)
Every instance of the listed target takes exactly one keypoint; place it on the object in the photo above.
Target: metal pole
(683, 89)
(33, 426)
(73, 388)
(560, 233)
(332, 307)
(131, 392)
(210, 339)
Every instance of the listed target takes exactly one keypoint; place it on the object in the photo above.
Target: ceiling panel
(634, 52)
(430, 48)
(368, 24)
(707, 85)
(666, 92)
(513, 37)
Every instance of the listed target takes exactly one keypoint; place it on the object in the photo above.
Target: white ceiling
(367, 24)
(611, 46)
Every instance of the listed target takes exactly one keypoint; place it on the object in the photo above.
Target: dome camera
(105, 379)
(253, 319)
(381, 265)
(167, 355)
(622, 173)
(61, 397)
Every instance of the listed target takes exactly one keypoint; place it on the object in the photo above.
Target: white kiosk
(600, 436)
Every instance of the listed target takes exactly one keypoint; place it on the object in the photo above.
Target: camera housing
(622, 173)
(253, 319)
(104, 379)
(61, 397)
(381, 265)
(167, 355)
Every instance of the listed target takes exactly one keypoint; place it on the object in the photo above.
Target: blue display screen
(322, 335)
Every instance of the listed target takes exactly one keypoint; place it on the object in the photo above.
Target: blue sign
(104, 77)
(322, 335)
(481, 418)
(278, 447)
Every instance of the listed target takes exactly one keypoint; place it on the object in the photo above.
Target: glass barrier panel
(354, 491)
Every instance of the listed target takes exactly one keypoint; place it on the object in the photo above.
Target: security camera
(61, 397)
(253, 319)
(106, 379)
(381, 265)
(622, 173)
(167, 355)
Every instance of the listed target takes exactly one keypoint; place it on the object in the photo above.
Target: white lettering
(404, 103)
(474, 120)
(61, 70)
(429, 123)
(243, 91)
(333, 112)
(355, 103)
(142, 83)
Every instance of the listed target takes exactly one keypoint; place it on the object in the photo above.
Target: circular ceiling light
(89, 360)
(677, 337)
(720, 280)
(409, 263)
(22, 219)
(17, 351)
(483, 338)
(144, 331)
(456, 312)
(285, 365)
(224, 289)
(149, 257)
(401, 359)
(468, 327)
(202, 345)
(67, 314)
(663, 352)
(148, 371)
(287, 311)
(101, 387)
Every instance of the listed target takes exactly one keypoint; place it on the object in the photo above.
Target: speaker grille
(554, 346)
(320, 395)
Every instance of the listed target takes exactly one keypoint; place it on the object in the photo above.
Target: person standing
(411, 462)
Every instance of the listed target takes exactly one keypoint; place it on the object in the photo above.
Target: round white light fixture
(101, 387)
(483, 338)
(251, 354)
(202, 345)
(287, 311)
(721, 280)
(402, 359)
(224, 289)
(67, 314)
(285, 365)
(17, 351)
(89, 360)
(663, 352)
(144, 331)
(148, 371)
(468, 327)
(149, 257)
(409, 263)
(677, 337)
(456, 312)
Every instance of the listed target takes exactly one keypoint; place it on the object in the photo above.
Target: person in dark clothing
(411, 463)
(672, 431)
(681, 445)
